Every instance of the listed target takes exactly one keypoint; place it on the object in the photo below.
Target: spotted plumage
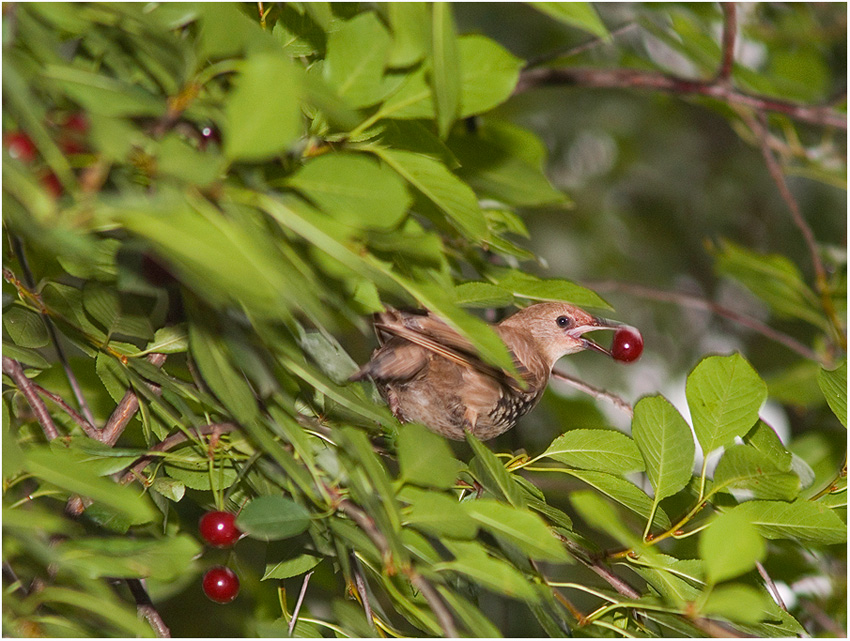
(428, 373)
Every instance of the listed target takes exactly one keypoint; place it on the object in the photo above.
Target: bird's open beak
(596, 323)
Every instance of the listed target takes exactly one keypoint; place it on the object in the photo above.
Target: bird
(428, 373)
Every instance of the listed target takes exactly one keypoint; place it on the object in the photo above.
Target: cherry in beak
(596, 324)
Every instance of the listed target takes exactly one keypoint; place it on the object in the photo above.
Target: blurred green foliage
(202, 204)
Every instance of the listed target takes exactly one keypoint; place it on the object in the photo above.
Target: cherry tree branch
(298, 603)
(18, 248)
(695, 302)
(638, 79)
(172, 441)
(90, 430)
(127, 407)
(759, 127)
(593, 391)
(730, 31)
(14, 370)
(146, 609)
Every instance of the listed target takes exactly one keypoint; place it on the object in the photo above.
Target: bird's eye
(564, 321)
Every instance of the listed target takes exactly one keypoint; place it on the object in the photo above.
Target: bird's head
(558, 328)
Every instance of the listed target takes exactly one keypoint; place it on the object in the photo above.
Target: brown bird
(430, 374)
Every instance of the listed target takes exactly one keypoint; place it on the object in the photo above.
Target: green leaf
(494, 167)
(764, 439)
(625, 493)
(833, 384)
(294, 566)
(724, 395)
(25, 356)
(171, 489)
(498, 475)
(772, 278)
(601, 450)
(730, 546)
(103, 95)
(123, 557)
(437, 514)
(445, 74)
(356, 55)
(666, 443)
(479, 294)
(737, 602)
(125, 315)
(802, 521)
(425, 458)
(411, 100)
(227, 384)
(575, 14)
(254, 129)
(354, 189)
(195, 473)
(410, 25)
(489, 74)
(549, 289)
(745, 468)
(172, 339)
(522, 528)
(493, 574)
(67, 470)
(270, 518)
(601, 515)
(176, 157)
(450, 194)
(25, 327)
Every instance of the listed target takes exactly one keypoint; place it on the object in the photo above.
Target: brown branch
(145, 607)
(27, 387)
(135, 470)
(127, 407)
(637, 79)
(366, 523)
(360, 584)
(771, 586)
(18, 248)
(593, 391)
(730, 31)
(695, 302)
(300, 600)
(90, 430)
(759, 127)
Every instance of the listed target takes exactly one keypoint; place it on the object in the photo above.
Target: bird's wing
(438, 338)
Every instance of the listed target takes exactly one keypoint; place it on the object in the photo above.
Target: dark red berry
(77, 122)
(627, 345)
(221, 584)
(20, 146)
(52, 185)
(219, 529)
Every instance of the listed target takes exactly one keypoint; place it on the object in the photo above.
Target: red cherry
(20, 146)
(52, 185)
(219, 529)
(627, 345)
(77, 122)
(221, 584)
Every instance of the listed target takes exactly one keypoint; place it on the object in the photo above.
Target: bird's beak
(596, 323)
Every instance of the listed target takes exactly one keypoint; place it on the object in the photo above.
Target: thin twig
(360, 583)
(638, 79)
(444, 617)
(593, 391)
(695, 302)
(771, 586)
(566, 52)
(90, 430)
(823, 619)
(18, 248)
(145, 607)
(26, 386)
(300, 600)
(127, 407)
(759, 126)
(730, 31)
(172, 441)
